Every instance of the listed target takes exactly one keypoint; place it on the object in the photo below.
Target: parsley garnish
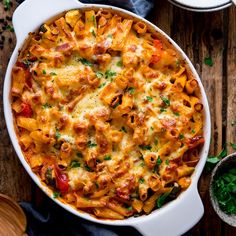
(177, 63)
(131, 90)
(93, 33)
(145, 147)
(91, 145)
(85, 62)
(150, 99)
(57, 135)
(162, 199)
(159, 161)
(176, 114)
(94, 21)
(123, 129)
(79, 154)
(224, 189)
(193, 131)
(97, 185)
(44, 72)
(162, 109)
(53, 73)
(107, 158)
(56, 194)
(10, 28)
(7, 4)
(167, 162)
(141, 180)
(208, 61)
(74, 164)
(46, 105)
(109, 74)
(213, 160)
(87, 168)
(165, 100)
(102, 85)
(99, 74)
(119, 64)
(181, 136)
(142, 164)
(130, 208)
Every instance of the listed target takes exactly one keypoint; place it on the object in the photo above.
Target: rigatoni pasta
(106, 113)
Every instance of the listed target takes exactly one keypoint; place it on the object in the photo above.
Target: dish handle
(175, 219)
(32, 13)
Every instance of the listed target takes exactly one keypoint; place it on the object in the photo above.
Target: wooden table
(200, 35)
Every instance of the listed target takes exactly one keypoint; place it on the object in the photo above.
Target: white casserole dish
(174, 218)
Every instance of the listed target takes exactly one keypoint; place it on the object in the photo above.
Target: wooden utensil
(12, 218)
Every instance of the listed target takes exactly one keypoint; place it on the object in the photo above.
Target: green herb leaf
(233, 146)
(145, 147)
(97, 185)
(165, 100)
(162, 199)
(88, 168)
(176, 114)
(193, 131)
(141, 180)
(44, 72)
(130, 208)
(99, 74)
(53, 73)
(57, 135)
(119, 64)
(162, 109)
(101, 85)
(159, 161)
(56, 194)
(181, 136)
(208, 61)
(150, 99)
(93, 33)
(85, 62)
(91, 145)
(46, 105)
(131, 90)
(167, 162)
(7, 4)
(123, 129)
(109, 74)
(79, 154)
(74, 164)
(107, 158)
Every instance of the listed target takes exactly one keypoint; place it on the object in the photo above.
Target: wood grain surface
(200, 35)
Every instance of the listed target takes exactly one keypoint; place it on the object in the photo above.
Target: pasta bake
(106, 113)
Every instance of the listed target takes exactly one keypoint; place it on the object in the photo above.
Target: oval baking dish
(181, 213)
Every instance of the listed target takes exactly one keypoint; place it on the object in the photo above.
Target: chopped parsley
(46, 105)
(44, 72)
(97, 185)
(107, 158)
(181, 136)
(109, 74)
(88, 168)
(177, 63)
(10, 28)
(142, 164)
(131, 90)
(79, 154)
(85, 62)
(208, 61)
(7, 4)
(176, 114)
(93, 33)
(193, 131)
(102, 85)
(74, 164)
(145, 147)
(123, 129)
(141, 180)
(99, 74)
(57, 134)
(159, 161)
(150, 99)
(91, 145)
(162, 199)
(130, 208)
(165, 100)
(56, 194)
(53, 73)
(94, 21)
(162, 109)
(224, 190)
(155, 141)
(119, 64)
(167, 162)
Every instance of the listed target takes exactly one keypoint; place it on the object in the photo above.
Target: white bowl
(202, 5)
(174, 218)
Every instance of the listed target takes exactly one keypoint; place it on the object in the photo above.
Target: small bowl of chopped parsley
(223, 189)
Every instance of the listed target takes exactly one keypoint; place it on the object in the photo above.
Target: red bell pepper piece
(26, 110)
(62, 181)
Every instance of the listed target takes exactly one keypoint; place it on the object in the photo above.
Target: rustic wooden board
(200, 35)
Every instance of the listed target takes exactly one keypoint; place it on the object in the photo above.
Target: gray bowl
(221, 167)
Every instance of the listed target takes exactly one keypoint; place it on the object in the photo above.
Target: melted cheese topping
(106, 113)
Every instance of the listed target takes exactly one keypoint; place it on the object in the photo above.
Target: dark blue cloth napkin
(50, 219)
